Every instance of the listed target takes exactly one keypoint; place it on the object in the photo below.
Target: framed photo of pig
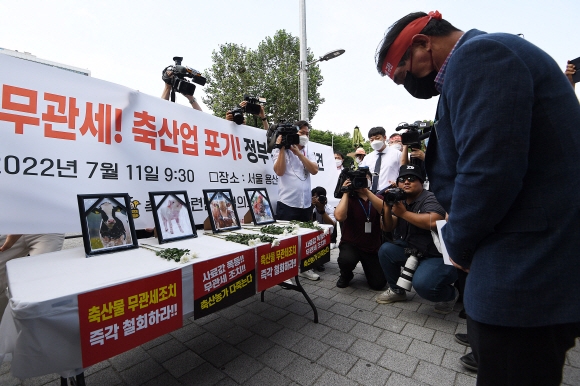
(221, 209)
(107, 223)
(172, 215)
(260, 206)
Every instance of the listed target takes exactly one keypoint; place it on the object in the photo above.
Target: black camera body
(416, 132)
(253, 106)
(394, 195)
(289, 133)
(322, 199)
(178, 81)
(358, 180)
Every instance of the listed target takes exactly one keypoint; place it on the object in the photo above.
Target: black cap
(411, 170)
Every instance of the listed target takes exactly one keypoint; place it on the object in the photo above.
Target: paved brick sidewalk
(276, 343)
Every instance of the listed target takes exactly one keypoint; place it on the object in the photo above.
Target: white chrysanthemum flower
(194, 255)
(326, 230)
(295, 232)
(252, 242)
(285, 232)
(315, 223)
(275, 243)
(186, 258)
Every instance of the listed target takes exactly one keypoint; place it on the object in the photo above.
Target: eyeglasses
(408, 178)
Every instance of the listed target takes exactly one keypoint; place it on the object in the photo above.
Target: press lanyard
(368, 216)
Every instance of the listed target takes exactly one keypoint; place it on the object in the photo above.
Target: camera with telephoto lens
(393, 195)
(406, 278)
(178, 79)
(322, 199)
(253, 106)
(358, 180)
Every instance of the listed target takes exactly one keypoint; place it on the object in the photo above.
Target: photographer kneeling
(411, 218)
(359, 214)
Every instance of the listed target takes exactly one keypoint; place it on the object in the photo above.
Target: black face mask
(422, 88)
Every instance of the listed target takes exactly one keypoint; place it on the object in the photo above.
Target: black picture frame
(260, 206)
(100, 235)
(216, 201)
(169, 208)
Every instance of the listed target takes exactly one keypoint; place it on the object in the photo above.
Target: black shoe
(320, 268)
(462, 339)
(468, 361)
(342, 282)
(462, 314)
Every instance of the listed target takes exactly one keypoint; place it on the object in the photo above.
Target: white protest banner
(63, 134)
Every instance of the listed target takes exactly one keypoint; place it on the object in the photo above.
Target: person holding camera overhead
(233, 115)
(167, 76)
(359, 215)
(294, 164)
(411, 213)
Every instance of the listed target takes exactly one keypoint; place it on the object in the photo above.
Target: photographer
(167, 90)
(411, 220)
(294, 164)
(359, 214)
(261, 115)
(324, 214)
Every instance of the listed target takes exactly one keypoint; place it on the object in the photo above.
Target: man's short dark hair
(302, 123)
(377, 131)
(394, 135)
(433, 28)
(340, 154)
(319, 191)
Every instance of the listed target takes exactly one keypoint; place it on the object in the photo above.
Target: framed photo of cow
(172, 216)
(107, 223)
(221, 209)
(260, 206)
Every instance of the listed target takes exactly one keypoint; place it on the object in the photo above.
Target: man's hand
(398, 209)
(319, 206)
(458, 266)
(294, 149)
(570, 70)
(417, 153)
(9, 242)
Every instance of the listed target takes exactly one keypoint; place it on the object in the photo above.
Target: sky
(130, 42)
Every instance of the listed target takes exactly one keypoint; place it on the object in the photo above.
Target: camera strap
(368, 227)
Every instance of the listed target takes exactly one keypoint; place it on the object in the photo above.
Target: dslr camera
(178, 81)
(252, 107)
(289, 133)
(416, 132)
(393, 195)
(322, 199)
(358, 180)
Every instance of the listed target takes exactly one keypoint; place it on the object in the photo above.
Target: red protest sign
(314, 248)
(276, 264)
(118, 318)
(223, 281)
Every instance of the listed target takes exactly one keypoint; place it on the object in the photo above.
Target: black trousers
(289, 213)
(520, 355)
(348, 258)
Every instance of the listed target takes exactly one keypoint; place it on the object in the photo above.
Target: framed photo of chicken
(106, 222)
(172, 215)
(260, 206)
(221, 209)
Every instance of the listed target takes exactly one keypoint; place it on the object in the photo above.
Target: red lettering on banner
(103, 129)
(50, 116)
(119, 318)
(187, 133)
(171, 135)
(232, 144)
(8, 104)
(144, 128)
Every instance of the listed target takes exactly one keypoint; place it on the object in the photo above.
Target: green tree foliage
(270, 71)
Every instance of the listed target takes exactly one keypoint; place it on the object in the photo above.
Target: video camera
(252, 107)
(178, 82)
(393, 195)
(416, 132)
(289, 133)
(358, 180)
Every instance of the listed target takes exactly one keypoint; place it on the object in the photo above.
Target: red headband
(403, 41)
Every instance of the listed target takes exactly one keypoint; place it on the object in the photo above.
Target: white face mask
(377, 145)
(397, 146)
(303, 140)
(338, 162)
